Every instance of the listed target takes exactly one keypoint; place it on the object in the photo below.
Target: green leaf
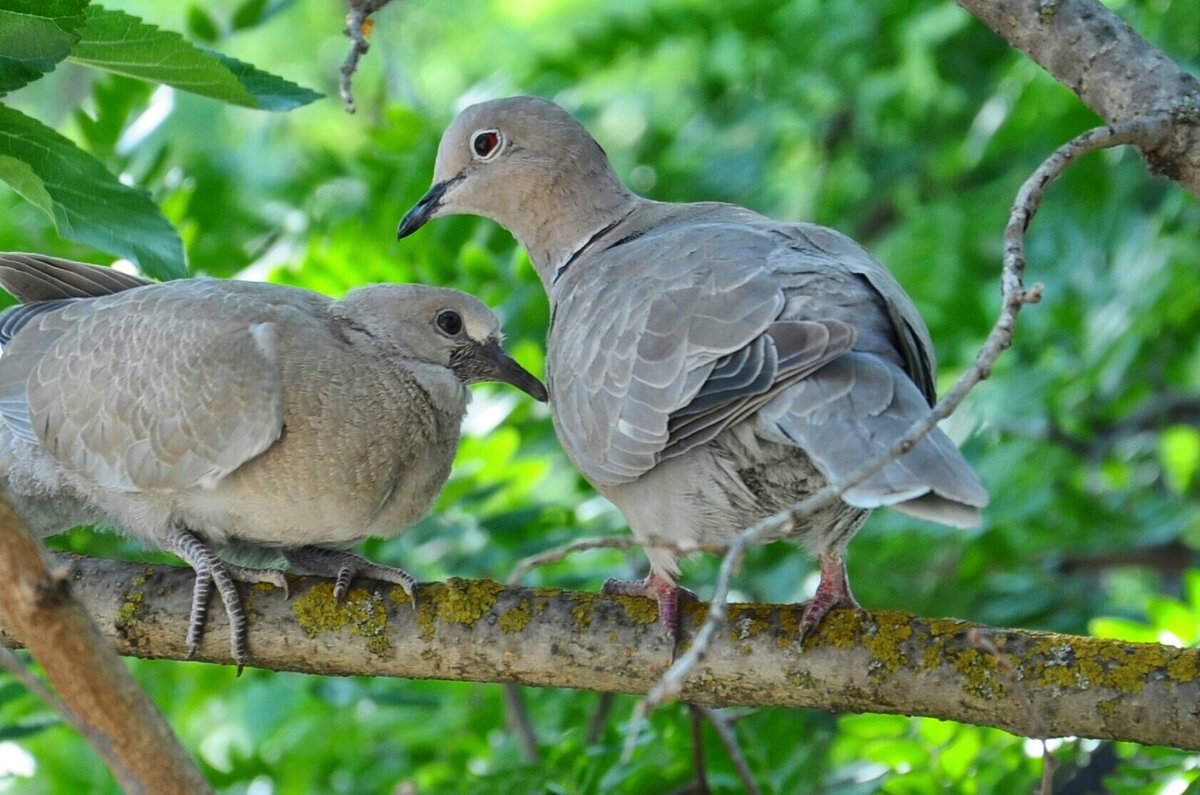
(34, 36)
(1180, 448)
(202, 25)
(248, 14)
(86, 203)
(120, 43)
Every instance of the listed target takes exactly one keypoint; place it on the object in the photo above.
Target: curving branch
(1110, 67)
(96, 694)
(1029, 683)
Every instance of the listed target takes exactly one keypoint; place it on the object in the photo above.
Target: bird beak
(425, 209)
(487, 361)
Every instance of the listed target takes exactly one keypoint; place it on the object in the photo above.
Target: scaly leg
(344, 567)
(664, 592)
(832, 591)
(211, 570)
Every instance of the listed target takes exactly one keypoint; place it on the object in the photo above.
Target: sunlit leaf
(1180, 447)
(86, 203)
(121, 43)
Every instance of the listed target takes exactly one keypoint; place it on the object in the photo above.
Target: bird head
(527, 164)
(439, 326)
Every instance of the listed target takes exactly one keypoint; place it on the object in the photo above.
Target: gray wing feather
(37, 277)
(203, 395)
(853, 410)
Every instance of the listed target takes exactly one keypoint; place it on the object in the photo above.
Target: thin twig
(558, 553)
(1144, 131)
(520, 724)
(599, 719)
(979, 640)
(724, 729)
(358, 25)
(699, 775)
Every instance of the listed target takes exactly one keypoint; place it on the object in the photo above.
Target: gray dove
(707, 365)
(205, 414)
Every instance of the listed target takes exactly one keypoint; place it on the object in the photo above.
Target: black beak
(429, 204)
(476, 362)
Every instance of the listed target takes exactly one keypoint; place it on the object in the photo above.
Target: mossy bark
(1029, 683)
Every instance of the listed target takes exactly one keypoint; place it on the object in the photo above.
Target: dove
(707, 366)
(205, 415)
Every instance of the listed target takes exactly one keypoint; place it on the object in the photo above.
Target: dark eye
(449, 321)
(485, 143)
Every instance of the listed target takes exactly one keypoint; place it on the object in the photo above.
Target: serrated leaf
(121, 43)
(86, 203)
(34, 36)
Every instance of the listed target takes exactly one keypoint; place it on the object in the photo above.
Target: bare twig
(599, 719)
(358, 27)
(550, 556)
(519, 723)
(724, 729)
(1144, 131)
(699, 774)
(126, 729)
(980, 640)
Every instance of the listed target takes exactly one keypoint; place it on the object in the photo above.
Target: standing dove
(205, 414)
(707, 366)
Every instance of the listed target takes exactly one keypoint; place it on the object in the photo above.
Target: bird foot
(274, 577)
(832, 591)
(344, 567)
(211, 570)
(663, 591)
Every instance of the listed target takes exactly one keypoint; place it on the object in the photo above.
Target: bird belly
(708, 495)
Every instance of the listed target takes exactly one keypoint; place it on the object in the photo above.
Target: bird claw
(665, 593)
(211, 570)
(832, 591)
(345, 566)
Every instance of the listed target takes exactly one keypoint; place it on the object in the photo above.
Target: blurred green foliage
(905, 124)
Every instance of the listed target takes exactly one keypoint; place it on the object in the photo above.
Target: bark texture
(1029, 683)
(111, 710)
(1110, 67)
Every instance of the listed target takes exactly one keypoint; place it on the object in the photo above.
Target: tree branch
(1111, 68)
(103, 701)
(472, 630)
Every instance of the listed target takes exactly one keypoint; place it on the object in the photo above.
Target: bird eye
(486, 143)
(449, 321)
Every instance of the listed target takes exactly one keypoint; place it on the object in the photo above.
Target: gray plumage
(707, 365)
(210, 414)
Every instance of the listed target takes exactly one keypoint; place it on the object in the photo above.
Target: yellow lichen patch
(517, 618)
(884, 640)
(839, 629)
(1184, 667)
(466, 601)
(455, 601)
(361, 612)
(789, 627)
(127, 612)
(979, 672)
(582, 612)
(638, 609)
(747, 621)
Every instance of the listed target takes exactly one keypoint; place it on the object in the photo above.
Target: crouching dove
(204, 414)
(707, 366)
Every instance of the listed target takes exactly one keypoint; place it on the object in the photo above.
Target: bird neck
(579, 218)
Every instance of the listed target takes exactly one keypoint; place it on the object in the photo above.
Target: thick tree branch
(103, 701)
(1112, 69)
(469, 630)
